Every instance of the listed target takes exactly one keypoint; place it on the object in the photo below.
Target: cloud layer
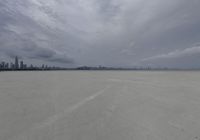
(177, 58)
(101, 32)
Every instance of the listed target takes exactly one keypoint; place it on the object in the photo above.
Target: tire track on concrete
(56, 117)
(51, 120)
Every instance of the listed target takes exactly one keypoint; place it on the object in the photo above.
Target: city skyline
(18, 64)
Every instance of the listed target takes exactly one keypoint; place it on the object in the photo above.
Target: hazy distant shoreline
(104, 70)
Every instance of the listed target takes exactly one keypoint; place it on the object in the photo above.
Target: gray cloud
(185, 58)
(27, 49)
(177, 54)
(99, 32)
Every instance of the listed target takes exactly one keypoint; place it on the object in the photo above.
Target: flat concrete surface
(100, 105)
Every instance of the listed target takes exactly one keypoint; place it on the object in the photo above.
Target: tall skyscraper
(21, 65)
(16, 63)
(3, 65)
(11, 66)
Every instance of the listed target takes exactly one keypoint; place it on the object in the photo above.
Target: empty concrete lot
(100, 105)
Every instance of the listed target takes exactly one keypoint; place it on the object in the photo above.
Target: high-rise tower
(16, 63)
(21, 65)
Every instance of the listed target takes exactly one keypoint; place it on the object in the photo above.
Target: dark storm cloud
(27, 49)
(101, 32)
(21, 36)
(61, 59)
(49, 55)
(38, 53)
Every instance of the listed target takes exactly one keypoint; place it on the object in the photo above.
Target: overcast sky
(159, 33)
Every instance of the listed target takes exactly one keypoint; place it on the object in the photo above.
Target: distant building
(31, 66)
(2, 65)
(43, 67)
(11, 65)
(25, 66)
(21, 65)
(16, 63)
(6, 66)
